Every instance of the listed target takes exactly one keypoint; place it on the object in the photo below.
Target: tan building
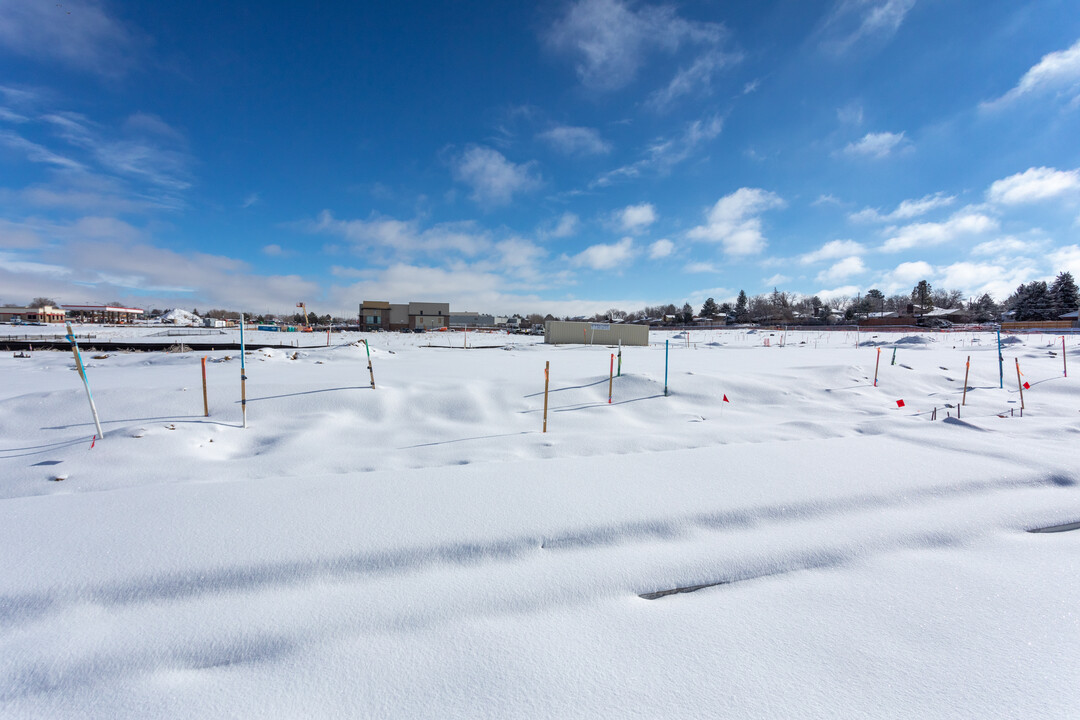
(374, 315)
(561, 332)
(44, 314)
(428, 315)
(378, 314)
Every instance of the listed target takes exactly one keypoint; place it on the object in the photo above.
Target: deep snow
(423, 550)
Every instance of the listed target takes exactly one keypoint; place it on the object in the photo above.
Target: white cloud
(842, 270)
(832, 250)
(567, 225)
(776, 280)
(700, 267)
(735, 223)
(1033, 185)
(661, 249)
(88, 41)
(850, 114)
(974, 279)
(877, 145)
(905, 210)
(664, 154)
(250, 200)
(839, 292)
(37, 153)
(920, 235)
(402, 237)
(695, 80)
(827, 199)
(855, 22)
(610, 40)
(908, 273)
(1066, 259)
(1005, 246)
(273, 250)
(1057, 72)
(635, 218)
(606, 257)
(493, 179)
(576, 140)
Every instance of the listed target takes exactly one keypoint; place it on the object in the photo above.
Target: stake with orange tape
(547, 378)
(967, 369)
(1020, 385)
(876, 364)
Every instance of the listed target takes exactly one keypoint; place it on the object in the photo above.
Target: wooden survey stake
(547, 378)
(371, 371)
(967, 369)
(205, 403)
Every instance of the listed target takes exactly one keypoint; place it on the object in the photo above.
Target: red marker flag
(92, 442)
(726, 400)
(899, 403)
(1027, 386)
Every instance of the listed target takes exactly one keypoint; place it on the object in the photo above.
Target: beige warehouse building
(564, 332)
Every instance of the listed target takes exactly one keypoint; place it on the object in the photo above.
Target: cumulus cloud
(661, 249)
(827, 294)
(735, 222)
(1066, 259)
(920, 235)
(1034, 185)
(905, 210)
(610, 40)
(576, 140)
(832, 250)
(877, 145)
(842, 270)
(606, 257)
(635, 218)
(494, 179)
(700, 267)
(908, 273)
(1057, 72)
(973, 279)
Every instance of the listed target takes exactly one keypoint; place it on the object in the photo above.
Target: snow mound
(913, 340)
(181, 317)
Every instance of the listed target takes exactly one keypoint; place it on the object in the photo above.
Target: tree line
(1035, 300)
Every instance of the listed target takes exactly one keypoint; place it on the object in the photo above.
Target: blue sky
(562, 157)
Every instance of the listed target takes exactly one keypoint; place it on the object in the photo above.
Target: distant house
(950, 314)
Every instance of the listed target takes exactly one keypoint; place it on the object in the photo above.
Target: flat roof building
(103, 313)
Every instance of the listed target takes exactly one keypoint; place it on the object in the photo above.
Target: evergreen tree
(1031, 302)
(984, 309)
(1064, 295)
(709, 309)
(742, 313)
(921, 296)
(687, 314)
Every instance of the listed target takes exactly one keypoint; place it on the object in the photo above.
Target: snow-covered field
(422, 549)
